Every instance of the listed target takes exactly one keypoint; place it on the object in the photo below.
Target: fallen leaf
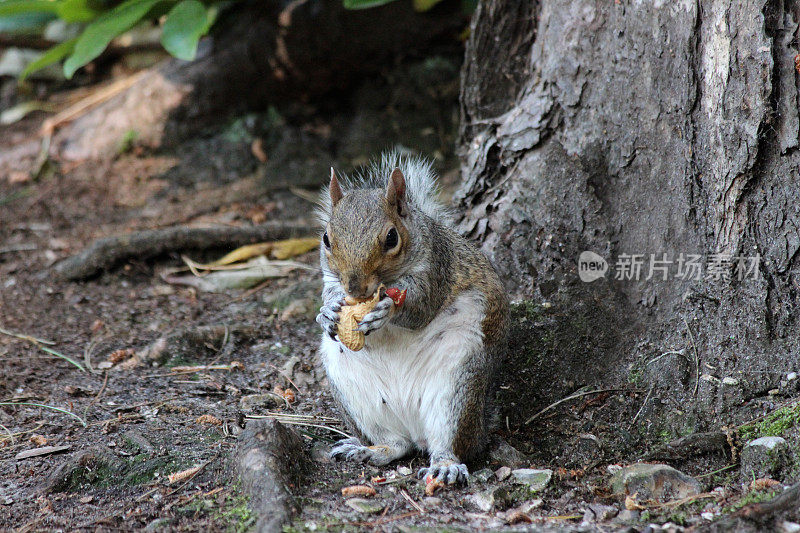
(631, 504)
(293, 247)
(209, 420)
(515, 516)
(358, 490)
(38, 440)
(183, 475)
(257, 147)
(118, 356)
(764, 483)
(87, 499)
(432, 485)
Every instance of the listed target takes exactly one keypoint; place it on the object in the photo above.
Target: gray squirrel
(422, 380)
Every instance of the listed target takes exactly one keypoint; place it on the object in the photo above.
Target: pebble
(482, 501)
(791, 376)
(764, 457)
(597, 512)
(404, 470)
(654, 482)
(365, 506)
(535, 479)
(502, 473)
(483, 475)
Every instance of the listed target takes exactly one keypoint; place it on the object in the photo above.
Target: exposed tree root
(110, 251)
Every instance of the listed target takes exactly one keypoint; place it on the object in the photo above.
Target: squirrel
(421, 382)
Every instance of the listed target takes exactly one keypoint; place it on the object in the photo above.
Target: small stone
(627, 515)
(404, 471)
(257, 402)
(482, 501)
(320, 452)
(597, 512)
(86, 499)
(7, 501)
(159, 524)
(365, 506)
(764, 457)
(483, 475)
(505, 454)
(707, 516)
(536, 480)
(654, 482)
(431, 502)
(530, 505)
(789, 527)
(502, 473)
(730, 381)
(791, 376)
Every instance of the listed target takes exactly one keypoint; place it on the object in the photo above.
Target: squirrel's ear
(334, 189)
(396, 190)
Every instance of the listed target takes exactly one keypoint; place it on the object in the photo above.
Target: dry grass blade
(79, 419)
(304, 420)
(568, 398)
(40, 343)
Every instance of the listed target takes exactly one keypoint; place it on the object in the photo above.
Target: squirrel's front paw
(448, 472)
(378, 317)
(328, 318)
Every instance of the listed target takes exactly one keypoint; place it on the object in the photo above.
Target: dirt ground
(123, 428)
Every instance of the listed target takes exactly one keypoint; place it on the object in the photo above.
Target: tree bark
(644, 128)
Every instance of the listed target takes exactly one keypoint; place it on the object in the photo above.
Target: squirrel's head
(366, 240)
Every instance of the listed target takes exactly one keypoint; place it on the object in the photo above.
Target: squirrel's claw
(328, 318)
(378, 317)
(446, 472)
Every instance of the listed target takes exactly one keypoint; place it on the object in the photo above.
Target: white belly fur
(414, 371)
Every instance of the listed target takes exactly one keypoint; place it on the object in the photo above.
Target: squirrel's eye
(391, 239)
(325, 240)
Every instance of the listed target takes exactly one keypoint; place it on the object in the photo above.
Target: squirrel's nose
(358, 287)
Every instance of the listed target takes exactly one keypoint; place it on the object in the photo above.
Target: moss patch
(775, 424)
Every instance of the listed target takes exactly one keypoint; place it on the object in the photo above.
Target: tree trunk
(642, 128)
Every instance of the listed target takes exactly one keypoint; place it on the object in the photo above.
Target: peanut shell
(349, 317)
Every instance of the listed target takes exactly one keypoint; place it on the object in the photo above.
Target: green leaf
(20, 7)
(363, 4)
(185, 24)
(424, 5)
(76, 10)
(25, 23)
(53, 55)
(98, 34)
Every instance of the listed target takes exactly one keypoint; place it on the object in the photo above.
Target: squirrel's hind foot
(353, 450)
(446, 471)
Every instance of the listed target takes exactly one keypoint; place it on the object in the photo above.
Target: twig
(643, 404)
(410, 500)
(18, 248)
(87, 355)
(568, 398)
(97, 396)
(696, 357)
(717, 471)
(81, 420)
(74, 111)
